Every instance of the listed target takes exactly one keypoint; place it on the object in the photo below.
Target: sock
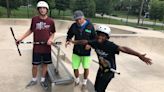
(84, 81)
(34, 79)
(42, 79)
(77, 80)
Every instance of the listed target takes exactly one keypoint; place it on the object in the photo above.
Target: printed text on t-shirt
(42, 25)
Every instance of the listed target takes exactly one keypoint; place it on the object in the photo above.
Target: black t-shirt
(106, 53)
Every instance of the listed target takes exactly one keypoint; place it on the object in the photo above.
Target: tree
(134, 4)
(51, 6)
(62, 5)
(87, 6)
(10, 5)
(157, 10)
(105, 6)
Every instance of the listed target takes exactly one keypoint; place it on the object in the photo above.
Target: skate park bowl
(135, 75)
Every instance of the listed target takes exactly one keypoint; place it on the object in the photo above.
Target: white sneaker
(84, 82)
(77, 81)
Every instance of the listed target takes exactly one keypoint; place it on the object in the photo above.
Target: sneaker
(77, 83)
(31, 83)
(44, 85)
(84, 88)
(84, 82)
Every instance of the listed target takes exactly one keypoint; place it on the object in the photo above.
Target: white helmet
(42, 4)
(104, 29)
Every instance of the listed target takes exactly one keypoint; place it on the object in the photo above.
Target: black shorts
(38, 58)
(102, 80)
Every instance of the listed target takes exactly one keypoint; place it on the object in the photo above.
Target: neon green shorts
(77, 60)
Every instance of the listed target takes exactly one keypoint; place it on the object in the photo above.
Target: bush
(0, 13)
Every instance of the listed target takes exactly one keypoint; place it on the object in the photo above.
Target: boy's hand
(87, 47)
(18, 41)
(145, 59)
(67, 43)
(84, 42)
(49, 42)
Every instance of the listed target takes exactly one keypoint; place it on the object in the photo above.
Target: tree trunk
(155, 22)
(8, 8)
(141, 9)
(50, 12)
(59, 12)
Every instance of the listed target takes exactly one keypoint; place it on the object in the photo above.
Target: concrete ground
(15, 71)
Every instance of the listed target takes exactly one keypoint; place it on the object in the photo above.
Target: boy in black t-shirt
(106, 51)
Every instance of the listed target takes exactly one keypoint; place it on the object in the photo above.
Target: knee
(35, 66)
(86, 69)
(45, 65)
(76, 70)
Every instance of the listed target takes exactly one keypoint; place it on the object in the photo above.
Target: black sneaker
(44, 85)
(31, 83)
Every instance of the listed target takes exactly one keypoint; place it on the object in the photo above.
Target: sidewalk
(130, 20)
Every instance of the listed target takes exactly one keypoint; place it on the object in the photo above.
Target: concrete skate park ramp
(135, 75)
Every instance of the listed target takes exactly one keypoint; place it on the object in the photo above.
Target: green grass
(105, 21)
(2, 12)
(18, 13)
(123, 14)
(118, 22)
(23, 13)
(67, 15)
(147, 26)
(147, 19)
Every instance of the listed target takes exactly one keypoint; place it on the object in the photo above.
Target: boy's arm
(24, 36)
(50, 40)
(83, 42)
(52, 33)
(69, 36)
(135, 53)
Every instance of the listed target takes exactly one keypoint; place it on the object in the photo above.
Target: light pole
(140, 13)
(28, 8)
(128, 14)
(129, 8)
(8, 8)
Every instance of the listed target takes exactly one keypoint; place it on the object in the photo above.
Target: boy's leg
(46, 60)
(76, 60)
(98, 81)
(86, 64)
(43, 83)
(86, 73)
(36, 61)
(34, 71)
(102, 80)
(44, 71)
(76, 73)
